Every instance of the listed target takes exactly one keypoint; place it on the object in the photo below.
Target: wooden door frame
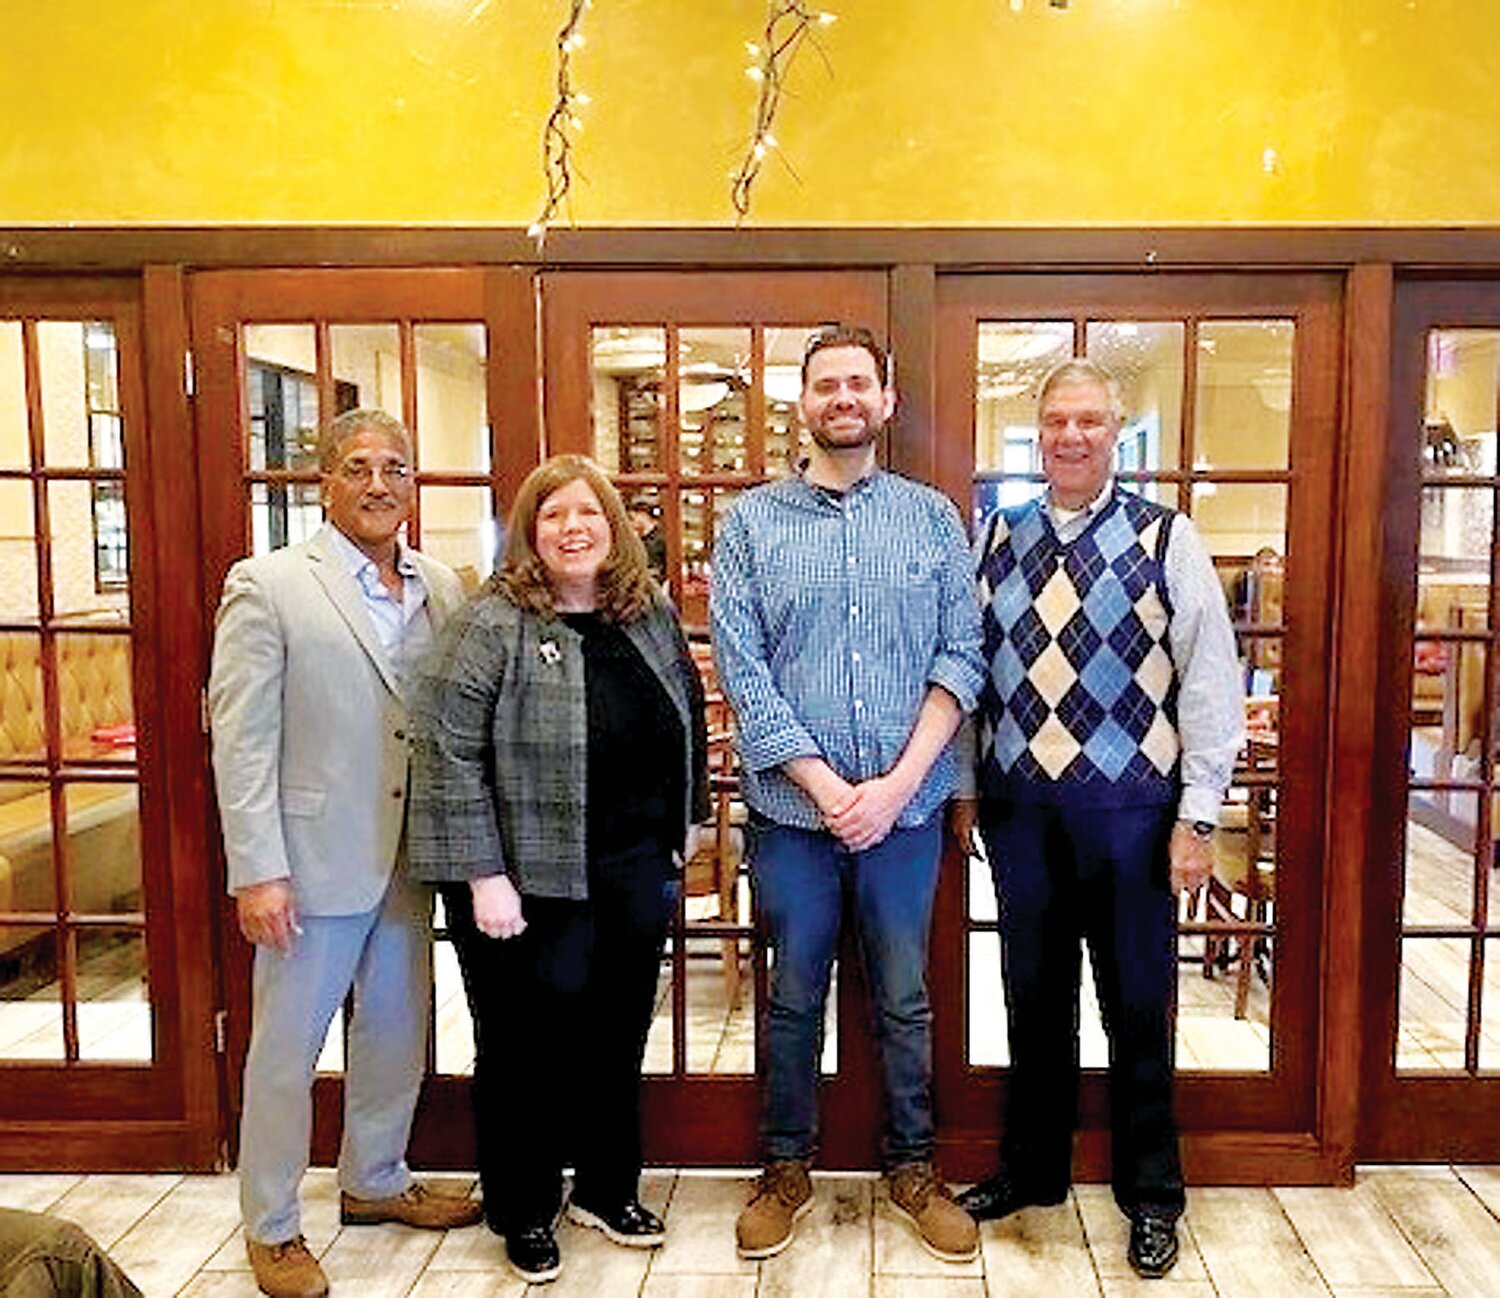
(1423, 1117)
(167, 1114)
(1278, 1128)
(504, 301)
(703, 1119)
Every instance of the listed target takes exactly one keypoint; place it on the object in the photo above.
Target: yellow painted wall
(931, 111)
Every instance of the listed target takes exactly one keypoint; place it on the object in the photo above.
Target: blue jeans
(801, 877)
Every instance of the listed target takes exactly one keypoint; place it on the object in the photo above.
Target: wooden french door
(106, 1038)
(683, 385)
(452, 354)
(1431, 1064)
(1230, 385)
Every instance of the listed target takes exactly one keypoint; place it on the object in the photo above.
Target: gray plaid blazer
(500, 745)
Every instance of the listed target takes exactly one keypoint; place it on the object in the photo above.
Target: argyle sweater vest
(1080, 701)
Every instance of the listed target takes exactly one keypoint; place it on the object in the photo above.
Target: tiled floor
(1414, 1232)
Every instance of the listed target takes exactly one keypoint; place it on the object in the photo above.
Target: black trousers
(561, 1015)
(1064, 876)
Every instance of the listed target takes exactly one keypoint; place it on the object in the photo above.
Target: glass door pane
(1447, 883)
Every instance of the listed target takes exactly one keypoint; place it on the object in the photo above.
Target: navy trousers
(1064, 876)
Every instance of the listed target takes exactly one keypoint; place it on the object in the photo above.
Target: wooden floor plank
(1351, 1238)
(1169, 1286)
(1108, 1234)
(36, 1191)
(382, 1261)
(1485, 1183)
(1245, 1239)
(833, 1253)
(468, 1284)
(1357, 1291)
(221, 1284)
(700, 1227)
(699, 1286)
(1456, 1235)
(169, 1245)
(927, 1286)
(1038, 1251)
(108, 1205)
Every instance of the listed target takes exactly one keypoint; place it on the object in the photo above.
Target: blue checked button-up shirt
(831, 619)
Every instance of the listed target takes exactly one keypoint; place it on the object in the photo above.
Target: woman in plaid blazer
(557, 766)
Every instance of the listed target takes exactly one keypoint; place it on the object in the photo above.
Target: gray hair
(350, 424)
(1082, 370)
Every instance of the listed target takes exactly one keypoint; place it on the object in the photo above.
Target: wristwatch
(1203, 829)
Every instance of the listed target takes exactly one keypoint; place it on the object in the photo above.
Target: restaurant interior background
(1278, 222)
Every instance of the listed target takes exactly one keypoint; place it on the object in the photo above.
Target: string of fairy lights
(789, 25)
(562, 124)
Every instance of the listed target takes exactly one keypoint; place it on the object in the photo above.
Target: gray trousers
(42, 1257)
(385, 957)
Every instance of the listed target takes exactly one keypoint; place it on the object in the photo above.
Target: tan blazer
(309, 728)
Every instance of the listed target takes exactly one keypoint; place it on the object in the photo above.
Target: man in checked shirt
(847, 636)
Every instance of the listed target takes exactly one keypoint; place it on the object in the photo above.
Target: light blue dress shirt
(832, 617)
(403, 628)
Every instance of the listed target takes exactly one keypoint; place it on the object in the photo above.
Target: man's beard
(842, 441)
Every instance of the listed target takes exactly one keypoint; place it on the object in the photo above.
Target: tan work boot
(414, 1206)
(286, 1270)
(782, 1196)
(945, 1229)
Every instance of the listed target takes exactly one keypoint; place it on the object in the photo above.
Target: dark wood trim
(1413, 1115)
(1284, 1102)
(180, 638)
(105, 248)
(99, 1146)
(512, 317)
(913, 316)
(1260, 1157)
(1355, 700)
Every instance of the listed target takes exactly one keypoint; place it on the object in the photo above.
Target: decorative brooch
(549, 652)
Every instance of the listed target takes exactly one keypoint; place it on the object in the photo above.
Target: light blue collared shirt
(404, 629)
(832, 617)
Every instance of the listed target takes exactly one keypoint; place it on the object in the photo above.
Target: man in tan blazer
(312, 649)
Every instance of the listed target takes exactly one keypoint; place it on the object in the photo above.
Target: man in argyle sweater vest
(1108, 726)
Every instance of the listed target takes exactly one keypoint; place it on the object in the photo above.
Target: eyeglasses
(362, 471)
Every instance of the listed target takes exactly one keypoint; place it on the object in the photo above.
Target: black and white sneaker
(632, 1224)
(534, 1254)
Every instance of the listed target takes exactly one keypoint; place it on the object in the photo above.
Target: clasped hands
(859, 815)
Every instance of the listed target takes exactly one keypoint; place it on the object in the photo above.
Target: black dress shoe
(533, 1252)
(1153, 1245)
(998, 1196)
(632, 1224)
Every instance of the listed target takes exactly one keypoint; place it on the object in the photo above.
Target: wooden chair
(714, 870)
(1244, 867)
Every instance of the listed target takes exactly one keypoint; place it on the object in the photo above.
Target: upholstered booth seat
(100, 819)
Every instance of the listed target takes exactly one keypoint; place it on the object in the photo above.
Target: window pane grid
(1193, 387)
(1447, 887)
(433, 375)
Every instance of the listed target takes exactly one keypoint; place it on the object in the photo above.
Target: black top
(635, 746)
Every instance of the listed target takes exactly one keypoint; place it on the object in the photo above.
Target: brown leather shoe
(286, 1270)
(945, 1230)
(415, 1206)
(782, 1196)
